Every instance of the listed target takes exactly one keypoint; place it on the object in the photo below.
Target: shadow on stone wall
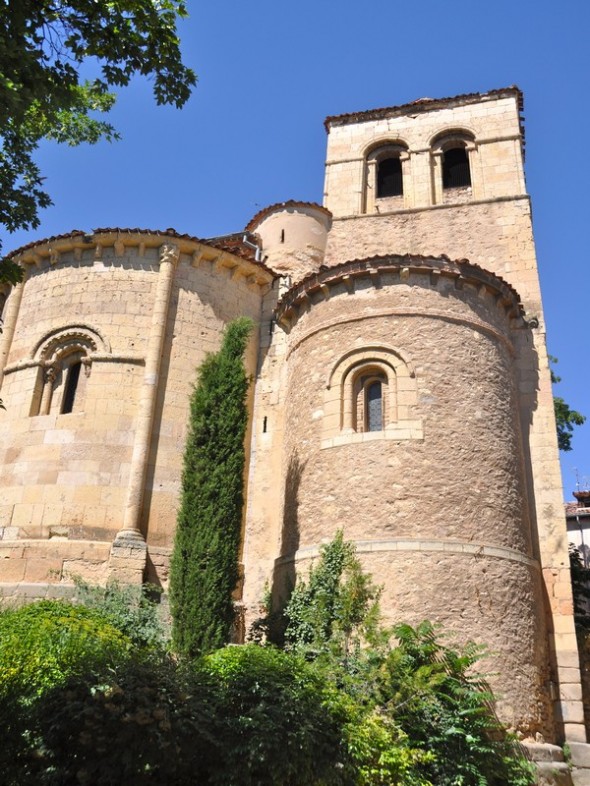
(284, 573)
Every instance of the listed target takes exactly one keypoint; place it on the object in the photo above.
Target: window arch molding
(345, 416)
(54, 342)
(453, 152)
(386, 169)
(64, 357)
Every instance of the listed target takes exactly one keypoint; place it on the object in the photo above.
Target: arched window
(456, 173)
(370, 394)
(61, 384)
(64, 358)
(374, 406)
(386, 165)
(71, 386)
(389, 177)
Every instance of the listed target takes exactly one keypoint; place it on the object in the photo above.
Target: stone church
(401, 393)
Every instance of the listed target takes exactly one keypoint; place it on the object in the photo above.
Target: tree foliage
(444, 706)
(565, 417)
(246, 716)
(44, 45)
(204, 567)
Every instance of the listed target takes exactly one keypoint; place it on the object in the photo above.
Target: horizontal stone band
(421, 544)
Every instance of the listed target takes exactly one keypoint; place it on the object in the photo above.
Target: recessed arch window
(456, 171)
(385, 170)
(64, 359)
(61, 384)
(453, 154)
(370, 394)
(389, 177)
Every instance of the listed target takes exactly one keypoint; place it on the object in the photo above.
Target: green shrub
(147, 721)
(131, 609)
(336, 610)
(42, 647)
(44, 643)
(245, 716)
(443, 706)
(425, 714)
(281, 725)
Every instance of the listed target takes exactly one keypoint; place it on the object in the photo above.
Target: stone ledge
(424, 208)
(580, 752)
(543, 751)
(39, 591)
(421, 544)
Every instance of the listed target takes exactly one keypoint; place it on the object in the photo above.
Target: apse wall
(402, 430)
(101, 346)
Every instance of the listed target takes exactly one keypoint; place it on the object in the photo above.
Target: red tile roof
(573, 509)
(233, 244)
(354, 267)
(291, 203)
(422, 105)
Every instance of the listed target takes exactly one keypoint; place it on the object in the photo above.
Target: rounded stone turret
(99, 354)
(294, 236)
(402, 430)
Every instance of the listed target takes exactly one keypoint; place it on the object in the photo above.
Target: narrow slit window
(71, 387)
(374, 406)
(456, 172)
(389, 178)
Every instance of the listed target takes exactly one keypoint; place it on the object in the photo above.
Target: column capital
(169, 252)
(49, 373)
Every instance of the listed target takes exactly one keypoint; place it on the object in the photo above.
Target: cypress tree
(204, 567)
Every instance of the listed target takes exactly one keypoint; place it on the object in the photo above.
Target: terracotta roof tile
(233, 244)
(262, 214)
(573, 509)
(422, 104)
(326, 273)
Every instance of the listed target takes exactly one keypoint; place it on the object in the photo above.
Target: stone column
(128, 554)
(49, 375)
(370, 185)
(437, 178)
(408, 195)
(472, 151)
(8, 327)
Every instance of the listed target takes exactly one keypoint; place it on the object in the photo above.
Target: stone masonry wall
(67, 477)
(440, 521)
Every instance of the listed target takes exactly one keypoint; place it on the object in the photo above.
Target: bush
(131, 609)
(44, 643)
(281, 723)
(243, 716)
(425, 714)
(146, 721)
(42, 647)
(445, 707)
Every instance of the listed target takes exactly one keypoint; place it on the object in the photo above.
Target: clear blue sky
(252, 134)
